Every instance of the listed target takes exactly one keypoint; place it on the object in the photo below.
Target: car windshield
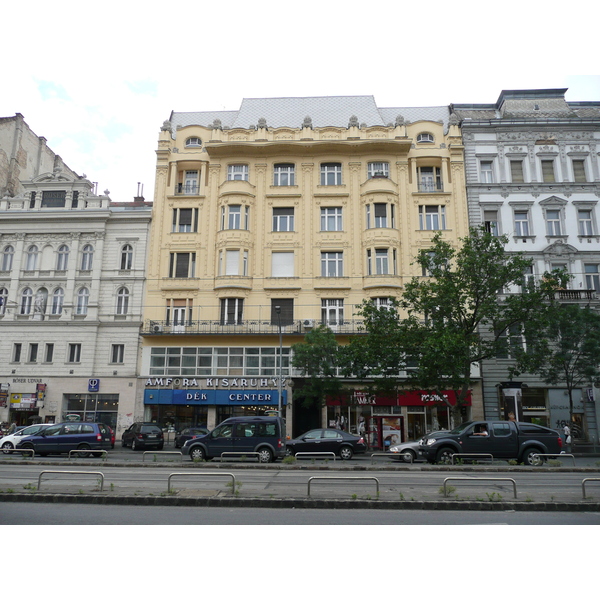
(461, 428)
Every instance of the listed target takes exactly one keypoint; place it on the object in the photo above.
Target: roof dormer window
(425, 138)
(193, 142)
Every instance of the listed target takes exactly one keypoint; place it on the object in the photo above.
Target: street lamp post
(280, 381)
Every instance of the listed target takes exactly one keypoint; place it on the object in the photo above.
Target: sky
(99, 82)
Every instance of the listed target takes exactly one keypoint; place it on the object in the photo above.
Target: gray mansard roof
(324, 111)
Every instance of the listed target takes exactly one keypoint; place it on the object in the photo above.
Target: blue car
(64, 437)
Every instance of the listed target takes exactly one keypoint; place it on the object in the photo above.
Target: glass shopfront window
(92, 408)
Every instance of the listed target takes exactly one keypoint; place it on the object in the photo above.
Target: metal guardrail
(201, 474)
(162, 452)
(241, 454)
(317, 454)
(97, 473)
(585, 481)
(480, 479)
(557, 456)
(88, 451)
(345, 478)
(470, 455)
(19, 450)
(392, 455)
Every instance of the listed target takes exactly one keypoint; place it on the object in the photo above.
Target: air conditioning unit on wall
(308, 323)
(156, 327)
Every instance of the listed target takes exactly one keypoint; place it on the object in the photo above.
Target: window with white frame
(190, 183)
(232, 311)
(233, 262)
(331, 219)
(331, 174)
(548, 171)
(237, 172)
(26, 301)
(87, 257)
(182, 264)
(430, 179)
(516, 171)
(553, 226)
(62, 258)
(579, 175)
(332, 264)
(432, 218)
(332, 312)
(74, 353)
(592, 277)
(185, 220)
(528, 278)
(193, 141)
(283, 174)
(378, 169)
(117, 353)
(425, 138)
(383, 302)
(490, 222)
(381, 266)
(83, 299)
(58, 299)
(513, 341)
(521, 223)
(31, 258)
(7, 258)
(380, 215)
(585, 223)
(235, 216)
(486, 174)
(122, 301)
(283, 218)
(282, 264)
(126, 257)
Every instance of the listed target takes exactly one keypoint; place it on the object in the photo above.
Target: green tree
(564, 349)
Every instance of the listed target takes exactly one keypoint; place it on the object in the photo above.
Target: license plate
(152, 435)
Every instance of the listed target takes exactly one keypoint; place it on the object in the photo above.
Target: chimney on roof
(140, 193)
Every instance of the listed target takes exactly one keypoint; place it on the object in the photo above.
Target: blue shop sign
(244, 397)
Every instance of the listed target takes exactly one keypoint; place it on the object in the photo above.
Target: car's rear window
(150, 429)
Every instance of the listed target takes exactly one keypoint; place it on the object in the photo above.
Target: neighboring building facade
(533, 174)
(280, 216)
(72, 273)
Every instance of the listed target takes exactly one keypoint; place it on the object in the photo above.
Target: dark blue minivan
(64, 437)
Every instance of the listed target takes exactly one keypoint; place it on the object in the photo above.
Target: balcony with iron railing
(430, 187)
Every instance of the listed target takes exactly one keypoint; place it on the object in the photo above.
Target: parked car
(189, 433)
(344, 444)
(9, 442)
(140, 436)
(501, 439)
(264, 435)
(64, 437)
(407, 451)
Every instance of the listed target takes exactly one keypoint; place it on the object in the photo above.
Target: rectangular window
(190, 184)
(183, 264)
(490, 220)
(185, 220)
(331, 174)
(49, 353)
(237, 173)
(117, 353)
(231, 217)
(432, 218)
(521, 223)
(516, 171)
(332, 312)
(430, 179)
(286, 311)
(283, 219)
(486, 175)
(528, 278)
(381, 262)
(332, 264)
(553, 222)
(512, 340)
(16, 353)
(548, 171)
(592, 277)
(282, 264)
(33, 353)
(378, 169)
(585, 222)
(232, 311)
(230, 262)
(74, 355)
(283, 174)
(331, 219)
(579, 171)
(379, 214)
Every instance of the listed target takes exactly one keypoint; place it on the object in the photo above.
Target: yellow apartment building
(274, 218)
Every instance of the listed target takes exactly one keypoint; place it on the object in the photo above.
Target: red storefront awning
(405, 398)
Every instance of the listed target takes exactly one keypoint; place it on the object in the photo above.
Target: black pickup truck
(502, 439)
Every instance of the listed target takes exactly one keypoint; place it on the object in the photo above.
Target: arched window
(87, 257)
(26, 301)
(32, 258)
(126, 257)
(3, 300)
(83, 298)
(193, 141)
(426, 138)
(7, 258)
(58, 298)
(63, 258)
(122, 301)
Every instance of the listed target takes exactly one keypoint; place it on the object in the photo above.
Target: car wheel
(531, 458)
(408, 456)
(84, 454)
(30, 447)
(265, 455)
(7, 447)
(197, 453)
(346, 453)
(289, 452)
(444, 456)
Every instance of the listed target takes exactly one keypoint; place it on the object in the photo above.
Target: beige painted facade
(313, 217)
